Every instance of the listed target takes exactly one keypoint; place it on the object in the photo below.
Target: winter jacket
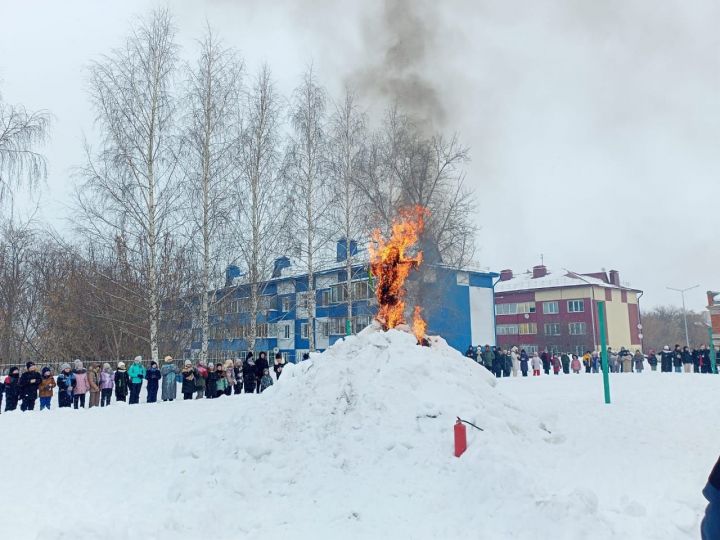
(545, 358)
(638, 359)
(652, 359)
(169, 381)
(687, 357)
(265, 381)
(122, 383)
(575, 364)
(230, 377)
(106, 380)
(153, 378)
(677, 357)
(188, 380)
(136, 372)
(221, 382)
(12, 388)
(565, 360)
(93, 380)
(29, 383)
(666, 360)
(249, 375)
(260, 366)
(82, 386)
(201, 374)
(536, 362)
(488, 357)
(66, 382)
(515, 359)
(46, 386)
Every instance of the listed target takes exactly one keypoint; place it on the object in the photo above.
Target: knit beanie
(28, 364)
(138, 359)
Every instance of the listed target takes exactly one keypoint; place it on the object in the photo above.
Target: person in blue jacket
(136, 372)
(66, 385)
(153, 377)
(710, 526)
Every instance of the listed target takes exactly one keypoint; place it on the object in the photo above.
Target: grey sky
(594, 127)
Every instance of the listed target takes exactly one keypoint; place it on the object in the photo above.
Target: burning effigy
(391, 261)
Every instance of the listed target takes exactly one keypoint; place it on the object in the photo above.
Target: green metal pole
(713, 358)
(603, 348)
(348, 327)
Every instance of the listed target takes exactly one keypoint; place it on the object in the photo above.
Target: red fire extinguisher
(460, 438)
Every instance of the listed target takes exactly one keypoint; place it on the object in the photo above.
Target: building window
(554, 349)
(526, 307)
(552, 329)
(577, 328)
(576, 306)
(304, 330)
(507, 329)
(550, 308)
(338, 293)
(528, 328)
(285, 331)
(286, 303)
(580, 350)
(324, 298)
(515, 308)
(530, 349)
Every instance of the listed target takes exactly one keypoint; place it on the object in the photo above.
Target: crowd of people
(503, 363)
(77, 386)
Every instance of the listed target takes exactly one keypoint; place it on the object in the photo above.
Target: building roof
(526, 282)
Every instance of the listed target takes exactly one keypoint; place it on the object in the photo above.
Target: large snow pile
(355, 443)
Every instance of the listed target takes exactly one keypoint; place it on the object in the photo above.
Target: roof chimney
(539, 271)
(615, 278)
(506, 275)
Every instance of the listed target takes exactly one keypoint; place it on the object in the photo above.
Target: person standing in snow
(106, 385)
(687, 360)
(249, 373)
(201, 375)
(613, 361)
(82, 386)
(545, 357)
(536, 364)
(188, 380)
(94, 383)
(677, 359)
(47, 385)
(556, 364)
(515, 358)
(470, 353)
(152, 376)
(652, 360)
(122, 382)
(12, 388)
(29, 384)
(627, 360)
(666, 358)
(265, 381)
(575, 364)
(260, 366)
(211, 383)
(169, 379)
(638, 358)
(488, 358)
(595, 359)
(587, 361)
(565, 361)
(524, 362)
(66, 386)
(238, 372)
(499, 362)
(136, 373)
(221, 381)
(229, 377)
(279, 364)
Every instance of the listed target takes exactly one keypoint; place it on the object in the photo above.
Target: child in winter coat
(82, 385)
(188, 380)
(536, 365)
(249, 373)
(229, 376)
(221, 381)
(122, 382)
(260, 366)
(238, 369)
(106, 385)
(201, 375)
(524, 362)
(211, 382)
(279, 365)
(556, 364)
(12, 388)
(169, 379)
(47, 384)
(265, 380)
(94, 382)
(66, 386)
(29, 384)
(575, 364)
(639, 359)
(153, 382)
(136, 372)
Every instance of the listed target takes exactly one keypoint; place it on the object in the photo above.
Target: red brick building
(714, 309)
(541, 310)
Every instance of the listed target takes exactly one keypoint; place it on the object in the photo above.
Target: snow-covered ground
(357, 443)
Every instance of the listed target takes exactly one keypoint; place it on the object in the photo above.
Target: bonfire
(390, 264)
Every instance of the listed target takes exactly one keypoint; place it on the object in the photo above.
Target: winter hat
(153, 363)
(106, 367)
(78, 364)
(187, 362)
(45, 370)
(168, 358)
(137, 359)
(12, 370)
(121, 365)
(28, 364)
(64, 366)
(666, 348)
(211, 366)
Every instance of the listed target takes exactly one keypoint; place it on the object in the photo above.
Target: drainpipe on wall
(642, 342)
(493, 307)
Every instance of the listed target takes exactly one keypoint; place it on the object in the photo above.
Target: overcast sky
(594, 126)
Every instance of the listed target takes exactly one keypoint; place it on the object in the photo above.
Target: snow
(357, 443)
(526, 282)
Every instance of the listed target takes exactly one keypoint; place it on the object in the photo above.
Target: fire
(391, 267)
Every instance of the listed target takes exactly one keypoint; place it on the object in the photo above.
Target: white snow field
(358, 443)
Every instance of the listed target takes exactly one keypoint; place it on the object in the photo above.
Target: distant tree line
(664, 325)
(198, 165)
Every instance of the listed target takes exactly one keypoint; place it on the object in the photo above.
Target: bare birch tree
(348, 133)
(130, 187)
(258, 191)
(21, 132)
(307, 174)
(212, 99)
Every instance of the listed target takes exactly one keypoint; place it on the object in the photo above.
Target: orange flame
(419, 325)
(391, 267)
